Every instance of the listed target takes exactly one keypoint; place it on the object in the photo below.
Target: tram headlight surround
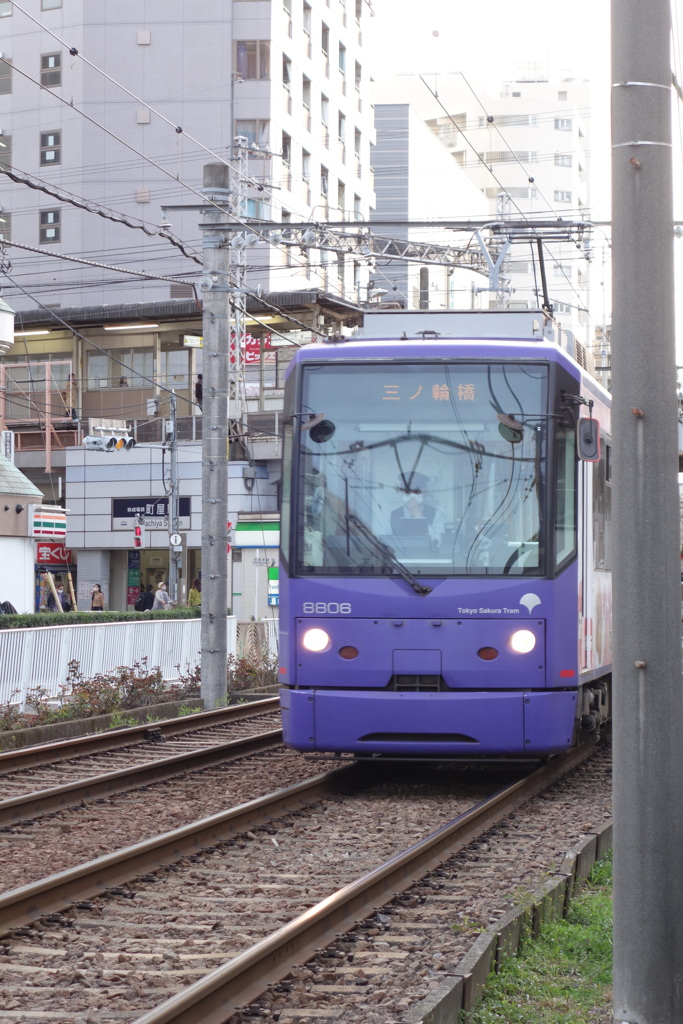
(316, 640)
(522, 641)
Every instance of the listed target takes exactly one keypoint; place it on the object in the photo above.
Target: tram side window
(286, 494)
(565, 495)
(602, 511)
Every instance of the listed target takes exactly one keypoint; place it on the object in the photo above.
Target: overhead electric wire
(100, 211)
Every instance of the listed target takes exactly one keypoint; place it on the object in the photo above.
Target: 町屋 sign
(154, 512)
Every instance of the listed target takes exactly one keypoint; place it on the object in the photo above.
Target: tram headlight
(522, 641)
(316, 640)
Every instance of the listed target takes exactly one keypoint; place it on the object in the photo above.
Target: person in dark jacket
(199, 390)
(148, 598)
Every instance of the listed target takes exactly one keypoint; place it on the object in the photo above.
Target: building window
(341, 197)
(286, 148)
(357, 212)
(5, 8)
(307, 20)
(50, 226)
(324, 181)
(325, 120)
(50, 148)
(358, 75)
(257, 133)
(562, 270)
(50, 5)
(252, 58)
(5, 77)
(563, 159)
(562, 96)
(306, 93)
(325, 40)
(5, 150)
(562, 196)
(132, 368)
(563, 124)
(306, 166)
(286, 71)
(5, 227)
(342, 59)
(51, 70)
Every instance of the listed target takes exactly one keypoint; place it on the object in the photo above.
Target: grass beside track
(565, 977)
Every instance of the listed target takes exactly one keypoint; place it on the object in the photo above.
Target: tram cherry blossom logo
(529, 601)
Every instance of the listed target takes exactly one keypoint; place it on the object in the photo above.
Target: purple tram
(445, 586)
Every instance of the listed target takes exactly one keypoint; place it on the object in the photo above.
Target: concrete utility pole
(215, 437)
(648, 696)
(176, 558)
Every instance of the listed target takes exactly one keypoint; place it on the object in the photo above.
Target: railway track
(186, 730)
(28, 792)
(223, 884)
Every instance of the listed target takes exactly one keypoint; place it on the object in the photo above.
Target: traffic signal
(109, 444)
(137, 534)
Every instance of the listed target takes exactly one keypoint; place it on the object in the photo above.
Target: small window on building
(562, 196)
(563, 159)
(5, 8)
(5, 227)
(286, 71)
(50, 148)
(307, 19)
(286, 148)
(562, 95)
(5, 77)
(51, 70)
(50, 226)
(257, 133)
(325, 39)
(563, 124)
(50, 5)
(342, 59)
(324, 181)
(252, 58)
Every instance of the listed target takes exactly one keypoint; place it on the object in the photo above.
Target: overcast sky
(495, 35)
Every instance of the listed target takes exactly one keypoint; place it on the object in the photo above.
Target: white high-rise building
(118, 106)
(525, 146)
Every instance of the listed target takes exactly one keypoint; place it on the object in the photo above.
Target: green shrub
(105, 694)
(74, 618)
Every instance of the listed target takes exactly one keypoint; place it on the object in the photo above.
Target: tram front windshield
(439, 467)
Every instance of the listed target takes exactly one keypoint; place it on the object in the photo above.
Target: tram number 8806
(325, 608)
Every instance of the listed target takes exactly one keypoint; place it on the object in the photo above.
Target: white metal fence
(40, 657)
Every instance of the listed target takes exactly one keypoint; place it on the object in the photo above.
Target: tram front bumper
(472, 724)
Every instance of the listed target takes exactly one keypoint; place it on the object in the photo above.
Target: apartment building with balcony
(106, 147)
(124, 127)
(525, 145)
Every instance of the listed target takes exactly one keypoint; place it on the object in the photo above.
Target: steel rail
(58, 797)
(29, 757)
(214, 998)
(59, 891)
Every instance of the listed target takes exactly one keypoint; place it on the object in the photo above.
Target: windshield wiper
(385, 551)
